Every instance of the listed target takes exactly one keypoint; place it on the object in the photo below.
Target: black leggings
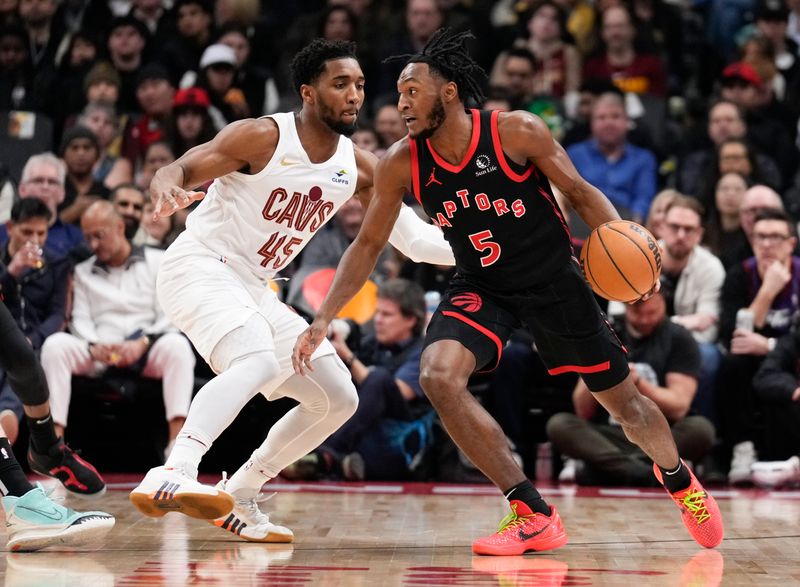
(17, 359)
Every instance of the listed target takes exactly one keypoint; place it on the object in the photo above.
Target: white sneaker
(776, 473)
(249, 522)
(567, 474)
(744, 455)
(173, 490)
(35, 521)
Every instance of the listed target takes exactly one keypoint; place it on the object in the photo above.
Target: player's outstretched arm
(245, 143)
(411, 235)
(360, 257)
(526, 136)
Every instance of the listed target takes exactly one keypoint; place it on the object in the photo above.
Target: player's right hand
(308, 342)
(170, 200)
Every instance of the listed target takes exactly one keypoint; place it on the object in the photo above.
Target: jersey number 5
(481, 241)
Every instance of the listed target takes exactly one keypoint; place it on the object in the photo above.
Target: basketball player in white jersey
(278, 180)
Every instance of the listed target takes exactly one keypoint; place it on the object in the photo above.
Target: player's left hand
(308, 342)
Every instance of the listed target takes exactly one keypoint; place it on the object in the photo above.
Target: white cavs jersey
(261, 222)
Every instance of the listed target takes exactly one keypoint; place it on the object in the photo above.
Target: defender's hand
(306, 344)
(168, 201)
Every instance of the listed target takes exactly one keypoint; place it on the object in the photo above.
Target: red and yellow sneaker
(523, 530)
(699, 511)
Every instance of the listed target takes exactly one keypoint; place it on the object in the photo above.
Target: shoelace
(512, 520)
(694, 501)
(251, 505)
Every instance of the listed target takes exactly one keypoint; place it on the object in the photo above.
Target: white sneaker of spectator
(744, 455)
(567, 474)
(774, 474)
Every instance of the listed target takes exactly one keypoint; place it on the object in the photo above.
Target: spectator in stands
(768, 284)
(514, 71)
(725, 121)
(102, 84)
(389, 125)
(218, 70)
(34, 283)
(255, 79)
(367, 138)
(190, 123)
(665, 364)
(625, 173)
(159, 232)
(767, 129)
(734, 156)
(385, 370)
(117, 323)
(129, 202)
(155, 92)
(160, 22)
(80, 151)
(557, 63)
(182, 52)
(723, 233)
(44, 32)
(16, 71)
(110, 169)
(156, 155)
(693, 277)
(43, 177)
(777, 386)
(630, 70)
(658, 209)
(756, 198)
(127, 40)
(79, 57)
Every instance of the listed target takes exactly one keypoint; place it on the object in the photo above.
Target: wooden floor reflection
(420, 535)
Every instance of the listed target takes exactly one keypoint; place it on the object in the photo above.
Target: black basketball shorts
(569, 328)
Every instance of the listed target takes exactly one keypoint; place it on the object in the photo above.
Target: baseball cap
(773, 10)
(218, 53)
(191, 97)
(742, 71)
(131, 21)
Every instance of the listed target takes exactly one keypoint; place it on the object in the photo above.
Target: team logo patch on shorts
(469, 302)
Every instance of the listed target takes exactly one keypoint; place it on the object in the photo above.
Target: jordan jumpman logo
(432, 179)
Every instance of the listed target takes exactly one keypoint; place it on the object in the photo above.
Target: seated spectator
(389, 125)
(80, 151)
(127, 40)
(513, 71)
(218, 70)
(723, 233)
(385, 370)
(735, 156)
(777, 386)
(665, 364)
(34, 284)
(160, 232)
(117, 323)
(367, 138)
(658, 208)
(693, 281)
(156, 156)
(129, 202)
(190, 124)
(725, 121)
(110, 170)
(155, 92)
(624, 173)
(181, 51)
(630, 70)
(756, 198)
(43, 178)
(768, 285)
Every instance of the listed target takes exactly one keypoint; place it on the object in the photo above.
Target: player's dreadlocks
(447, 56)
(309, 63)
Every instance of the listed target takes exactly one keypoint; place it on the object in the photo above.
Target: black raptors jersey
(501, 219)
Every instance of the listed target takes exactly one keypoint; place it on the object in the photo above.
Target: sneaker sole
(195, 505)
(271, 537)
(77, 535)
(521, 548)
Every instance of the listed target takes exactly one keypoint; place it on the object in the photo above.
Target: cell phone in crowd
(745, 320)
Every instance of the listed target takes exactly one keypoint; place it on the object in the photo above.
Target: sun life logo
(484, 165)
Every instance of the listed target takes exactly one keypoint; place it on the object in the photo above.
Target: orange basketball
(621, 260)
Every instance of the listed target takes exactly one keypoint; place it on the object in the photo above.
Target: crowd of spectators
(685, 114)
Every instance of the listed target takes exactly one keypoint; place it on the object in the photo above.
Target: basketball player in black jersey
(484, 178)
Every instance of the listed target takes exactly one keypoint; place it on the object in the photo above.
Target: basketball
(621, 260)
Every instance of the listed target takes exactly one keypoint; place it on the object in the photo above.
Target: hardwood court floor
(419, 535)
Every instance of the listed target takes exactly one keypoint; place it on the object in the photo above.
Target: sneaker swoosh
(287, 162)
(523, 536)
(53, 514)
